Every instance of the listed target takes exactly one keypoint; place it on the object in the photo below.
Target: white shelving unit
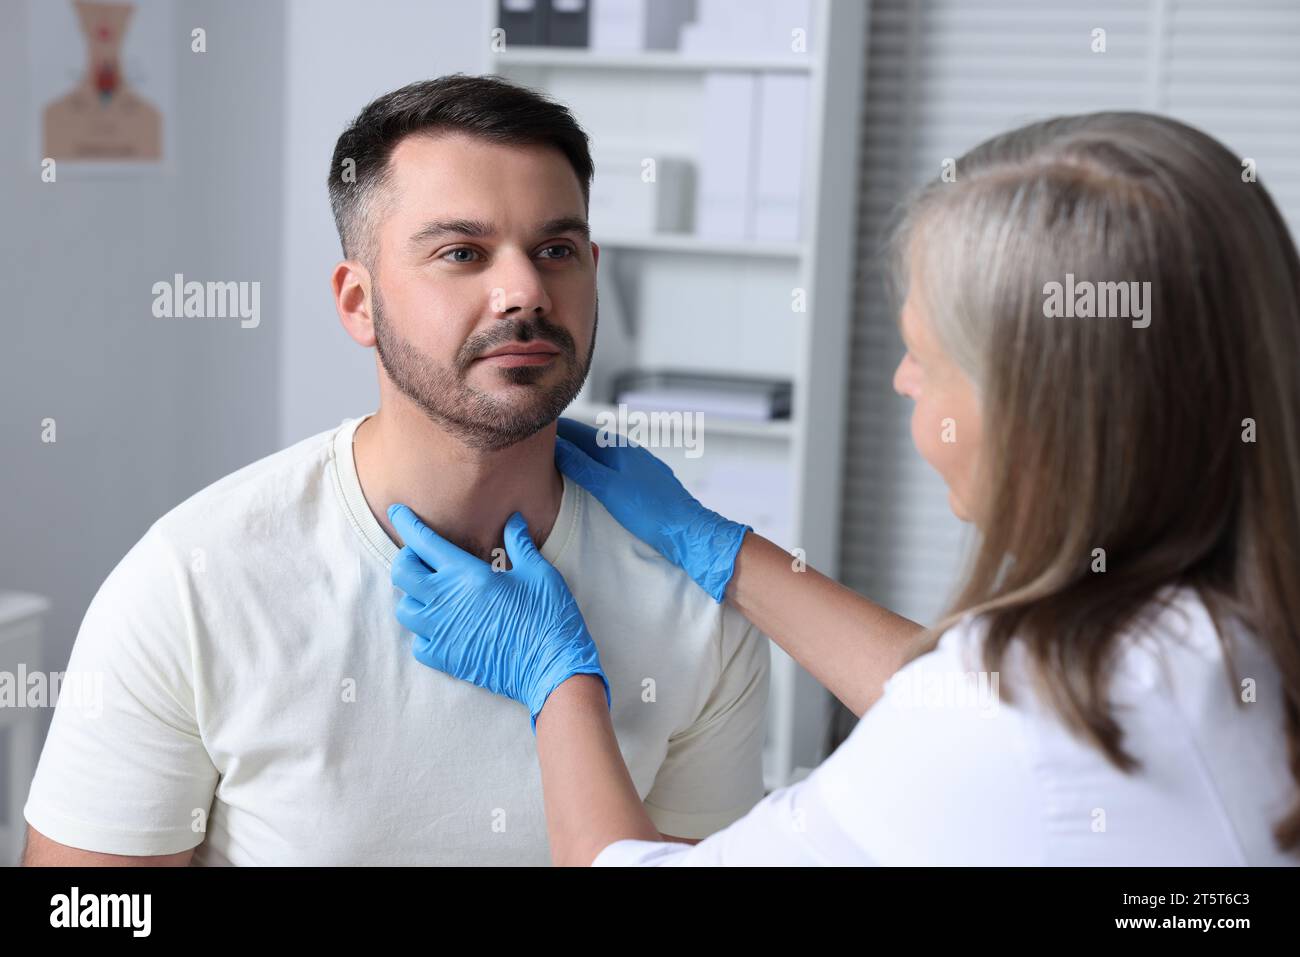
(677, 301)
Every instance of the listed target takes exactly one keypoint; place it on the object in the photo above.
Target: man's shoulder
(258, 493)
(225, 531)
(627, 567)
(625, 558)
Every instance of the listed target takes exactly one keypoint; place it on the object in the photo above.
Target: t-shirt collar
(372, 534)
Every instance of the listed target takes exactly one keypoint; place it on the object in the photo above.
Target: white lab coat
(940, 772)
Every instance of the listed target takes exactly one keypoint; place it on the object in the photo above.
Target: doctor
(1118, 680)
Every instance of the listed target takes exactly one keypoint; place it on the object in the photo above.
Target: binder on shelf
(725, 395)
(568, 22)
(524, 22)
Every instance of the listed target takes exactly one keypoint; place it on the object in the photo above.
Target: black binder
(524, 22)
(568, 22)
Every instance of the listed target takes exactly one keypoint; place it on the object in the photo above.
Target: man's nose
(518, 290)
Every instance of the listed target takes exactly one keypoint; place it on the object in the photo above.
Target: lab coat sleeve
(791, 827)
(937, 772)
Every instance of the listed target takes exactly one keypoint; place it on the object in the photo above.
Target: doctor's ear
(351, 284)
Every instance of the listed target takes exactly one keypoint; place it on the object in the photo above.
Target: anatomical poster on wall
(102, 87)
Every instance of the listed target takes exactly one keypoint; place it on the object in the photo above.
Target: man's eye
(468, 256)
(565, 252)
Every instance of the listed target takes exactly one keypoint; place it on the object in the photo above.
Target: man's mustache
(515, 330)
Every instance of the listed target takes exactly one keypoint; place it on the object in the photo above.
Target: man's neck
(463, 494)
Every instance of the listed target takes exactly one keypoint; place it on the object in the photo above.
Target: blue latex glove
(645, 497)
(518, 633)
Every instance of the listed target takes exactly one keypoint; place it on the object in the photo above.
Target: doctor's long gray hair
(1171, 439)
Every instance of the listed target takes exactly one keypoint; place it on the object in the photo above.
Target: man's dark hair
(484, 106)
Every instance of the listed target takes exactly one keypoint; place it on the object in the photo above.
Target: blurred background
(748, 155)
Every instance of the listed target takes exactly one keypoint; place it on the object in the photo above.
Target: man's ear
(351, 283)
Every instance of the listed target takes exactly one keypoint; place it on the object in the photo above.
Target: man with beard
(262, 704)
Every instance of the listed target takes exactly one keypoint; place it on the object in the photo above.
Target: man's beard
(477, 418)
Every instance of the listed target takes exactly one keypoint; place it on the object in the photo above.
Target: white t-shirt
(938, 773)
(257, 685)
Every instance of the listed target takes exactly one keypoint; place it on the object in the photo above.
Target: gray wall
(148, 411)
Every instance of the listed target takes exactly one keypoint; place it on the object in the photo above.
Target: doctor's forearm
(848, 643)
(588, 794)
